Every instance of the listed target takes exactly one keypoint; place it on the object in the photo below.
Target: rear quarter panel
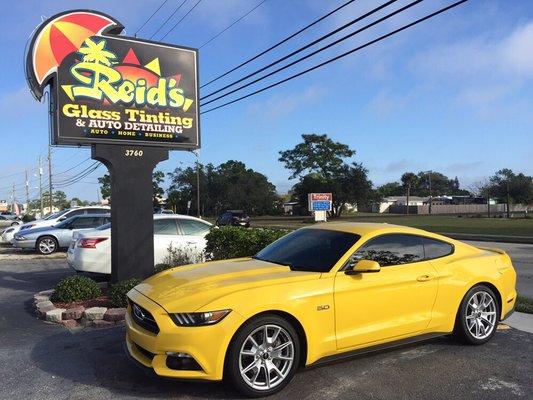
(467, 267)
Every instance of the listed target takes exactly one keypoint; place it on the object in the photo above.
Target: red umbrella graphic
(60, 36)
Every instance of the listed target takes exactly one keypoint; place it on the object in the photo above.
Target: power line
(168, 19)
(278, 43)
(74, 178)
(361, 17)
(150, 17)
(182, 18)
(429, 16)
(75, 166)
(232, 24)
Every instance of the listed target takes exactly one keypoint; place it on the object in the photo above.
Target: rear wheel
(477, 317)
(46, 245)
(263, 356)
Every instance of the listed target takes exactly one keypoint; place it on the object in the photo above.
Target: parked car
(318, 294)
(48, 239)
(234, 218)
(8, 234)
(90, 252)
(6, 220)
(10, 215)
(59, 216)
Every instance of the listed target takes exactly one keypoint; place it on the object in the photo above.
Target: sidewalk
(520, 321)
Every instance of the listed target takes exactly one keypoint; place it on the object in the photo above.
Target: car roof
(178, 216)
(373, 228)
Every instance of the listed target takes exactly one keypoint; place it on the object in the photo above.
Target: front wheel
(263, 356)
(46, 245)
(477, 317)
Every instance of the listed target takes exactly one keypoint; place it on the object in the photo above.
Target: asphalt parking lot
(43, 361)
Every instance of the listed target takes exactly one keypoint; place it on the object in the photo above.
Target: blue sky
(452, 94)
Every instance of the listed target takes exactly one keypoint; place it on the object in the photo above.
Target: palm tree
(95, 52)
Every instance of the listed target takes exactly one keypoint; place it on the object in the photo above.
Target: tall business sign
(319, 204)
(131, 100)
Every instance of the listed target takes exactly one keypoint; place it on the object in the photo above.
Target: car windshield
(55, 215)
(315, 250)
(104, 227)
(65, 223)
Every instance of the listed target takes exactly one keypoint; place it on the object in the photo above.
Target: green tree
(229, 186)
(317, 153)
(518, 187)
(105, 186)
(387, 190)
(321, 165)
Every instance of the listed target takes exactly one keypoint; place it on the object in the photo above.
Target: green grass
(524, 304)
(434, 223)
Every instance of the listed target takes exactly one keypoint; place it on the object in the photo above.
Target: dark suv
(234, 218)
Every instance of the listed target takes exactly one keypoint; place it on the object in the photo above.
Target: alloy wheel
(266, 357)
(481, 315)
(47, 245)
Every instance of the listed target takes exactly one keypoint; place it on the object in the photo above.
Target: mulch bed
(101, 301)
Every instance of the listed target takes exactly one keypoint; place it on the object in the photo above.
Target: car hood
(36, 231)
(188, 288)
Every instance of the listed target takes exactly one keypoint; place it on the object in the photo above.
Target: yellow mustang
(318, 293)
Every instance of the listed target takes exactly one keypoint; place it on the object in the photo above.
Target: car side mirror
(61, 219)
(361, 266)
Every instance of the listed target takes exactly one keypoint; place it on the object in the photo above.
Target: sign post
(131, 100)
(320, 204)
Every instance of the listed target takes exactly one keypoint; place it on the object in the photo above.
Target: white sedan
(91, 251)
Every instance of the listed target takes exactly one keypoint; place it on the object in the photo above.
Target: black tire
(232, 366)
(461, 331)
(46, 245)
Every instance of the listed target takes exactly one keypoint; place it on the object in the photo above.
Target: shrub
(524, 304)
(28, 218)
(117, 292)
(234, 242)
(161, 267)
(177, 256)
(76, 288)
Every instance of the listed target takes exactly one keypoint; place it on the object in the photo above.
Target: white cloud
(283, 104)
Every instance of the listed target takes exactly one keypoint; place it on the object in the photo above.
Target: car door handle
(424, 278)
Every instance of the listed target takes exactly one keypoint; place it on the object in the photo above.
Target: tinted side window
(194, 228)
(436, 248)
(165, 227)
(73, 213)
(96, 211)
(85, 222)
(392, 249)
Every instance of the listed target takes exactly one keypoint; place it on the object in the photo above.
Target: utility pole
(50, 176)
(13, 198)
(408, 196)
(508, 201)
(430, 196)
(488, 201)
(27, 194)
(41, 186)
(198, 187)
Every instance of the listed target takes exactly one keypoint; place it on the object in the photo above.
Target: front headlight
(199, 318)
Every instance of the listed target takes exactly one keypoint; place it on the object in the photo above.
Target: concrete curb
(520, 321)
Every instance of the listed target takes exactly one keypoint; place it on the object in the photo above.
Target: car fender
(312, 308)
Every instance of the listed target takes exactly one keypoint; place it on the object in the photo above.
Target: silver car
(8, 220)
(49, 239)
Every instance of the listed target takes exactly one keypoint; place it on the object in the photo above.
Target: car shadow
(97, 358)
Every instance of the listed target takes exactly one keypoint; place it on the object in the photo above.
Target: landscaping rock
(85, 323)
(115, 314)
(95, 313)
(48, 293)
(100, 323)
(39, 298)
(69, 323)
(74, 313)
(43, 307)
(54, 315)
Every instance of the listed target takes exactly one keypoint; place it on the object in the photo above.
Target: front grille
(143, 318)
(144, 352)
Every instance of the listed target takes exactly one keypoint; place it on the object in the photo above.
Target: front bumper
(24, 244)
(207, 345)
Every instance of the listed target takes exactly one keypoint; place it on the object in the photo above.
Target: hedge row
(234, 242)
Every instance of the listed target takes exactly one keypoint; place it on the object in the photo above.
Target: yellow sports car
(316, 294)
